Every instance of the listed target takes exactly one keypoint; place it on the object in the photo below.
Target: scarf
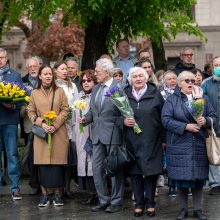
(165, 91)
(3, 71)
(138, 95)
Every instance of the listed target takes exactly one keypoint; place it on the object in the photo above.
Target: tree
(106, 21)
(56, 40)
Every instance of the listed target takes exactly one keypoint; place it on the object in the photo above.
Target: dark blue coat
(10, 116)
(185, 151)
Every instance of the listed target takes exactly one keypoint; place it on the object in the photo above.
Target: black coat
(147, 146)
(180, 67)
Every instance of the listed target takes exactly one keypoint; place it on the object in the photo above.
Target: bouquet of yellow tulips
(13, 92)
(81, 105)
(49, 116)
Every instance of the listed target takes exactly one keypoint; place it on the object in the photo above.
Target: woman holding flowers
(186, 120)
(83, 140)
(71, 92)
(51, 154)
(146, 102)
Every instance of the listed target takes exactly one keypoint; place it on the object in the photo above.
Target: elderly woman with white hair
(187, 162)
(146, 102)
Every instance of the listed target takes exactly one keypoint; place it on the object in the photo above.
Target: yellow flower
(50, 115)
(79, 104)
(27, 98)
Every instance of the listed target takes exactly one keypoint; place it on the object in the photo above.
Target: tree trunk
(160, 61)
(4, 9)
(95, 42)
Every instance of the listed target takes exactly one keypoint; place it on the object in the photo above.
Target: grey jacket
(104, 120)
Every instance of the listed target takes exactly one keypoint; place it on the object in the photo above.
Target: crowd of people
(171, 143)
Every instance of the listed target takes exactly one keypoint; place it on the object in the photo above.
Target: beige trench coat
(40, 103)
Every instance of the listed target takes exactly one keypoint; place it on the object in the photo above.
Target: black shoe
(183, 213)
(16, 195)
(91, 200)
(57, 201)
(99, 207)
(138, 214)
(43, 201)
(151, 213)
(113, 208)
(199, 215)
(214, 191)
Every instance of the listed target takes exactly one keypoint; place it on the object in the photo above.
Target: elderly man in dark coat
(146, 102)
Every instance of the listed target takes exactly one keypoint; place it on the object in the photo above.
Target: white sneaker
(160, 181)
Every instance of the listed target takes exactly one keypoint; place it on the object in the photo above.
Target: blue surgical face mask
(216, 71)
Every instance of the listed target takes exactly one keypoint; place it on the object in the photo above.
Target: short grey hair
(106, 65)
(183, 75)
(35, 58)
(168, 73)
(71, 59)
(3, 51)
(135, 69)
(184, 49)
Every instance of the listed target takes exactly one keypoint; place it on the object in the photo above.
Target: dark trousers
(33, 169)
(141, 185)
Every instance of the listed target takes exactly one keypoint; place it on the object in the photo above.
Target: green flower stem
(137, 129)
(49, 138)
(81, 128)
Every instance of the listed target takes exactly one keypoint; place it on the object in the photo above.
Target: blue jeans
(8, 135)
(214, 179)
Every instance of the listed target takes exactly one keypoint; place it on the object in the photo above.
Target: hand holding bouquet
(197, 109)
(120, 100)
(81, 105)
(49, 117)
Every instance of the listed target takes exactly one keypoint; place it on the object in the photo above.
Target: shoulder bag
(213, 146)
(38, 130)
(117, 159)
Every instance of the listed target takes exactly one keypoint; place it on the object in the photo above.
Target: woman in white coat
(71, 92)
(83, 141)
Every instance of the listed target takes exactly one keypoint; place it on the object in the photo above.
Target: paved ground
(27, 209)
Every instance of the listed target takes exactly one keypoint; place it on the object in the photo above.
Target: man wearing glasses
(185, 63)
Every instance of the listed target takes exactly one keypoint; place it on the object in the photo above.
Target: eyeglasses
(188, 54)
(189, 80)
(86, 80)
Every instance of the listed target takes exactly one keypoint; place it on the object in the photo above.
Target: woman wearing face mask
(84, 143)
(187, 162)
(64, 82)
(50, 167)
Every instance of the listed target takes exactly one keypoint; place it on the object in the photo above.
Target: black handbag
(38, 130)
(117, 159)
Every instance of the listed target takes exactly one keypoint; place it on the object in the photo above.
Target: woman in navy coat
(187, 163)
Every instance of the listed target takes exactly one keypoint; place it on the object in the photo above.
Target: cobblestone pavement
(27, 208)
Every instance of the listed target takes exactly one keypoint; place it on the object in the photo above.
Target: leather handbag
(38, 130)
(213, 146)
(117, 159)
